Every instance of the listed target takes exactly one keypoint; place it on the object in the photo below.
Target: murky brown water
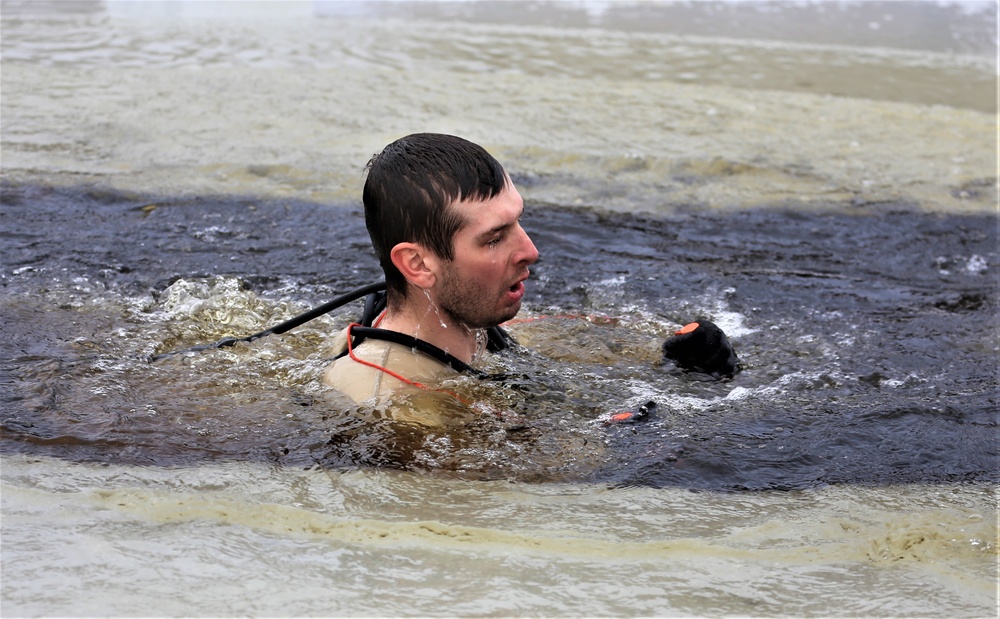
(818, 179)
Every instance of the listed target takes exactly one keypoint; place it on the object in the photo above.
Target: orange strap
(594, 318)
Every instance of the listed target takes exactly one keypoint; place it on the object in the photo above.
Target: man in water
(443, 216)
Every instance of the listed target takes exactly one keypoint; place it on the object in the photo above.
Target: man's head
(443, 215)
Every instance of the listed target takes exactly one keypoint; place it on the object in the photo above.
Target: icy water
(818, 179)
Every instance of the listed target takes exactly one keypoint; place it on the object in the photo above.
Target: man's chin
(498, 319)
(508, 315)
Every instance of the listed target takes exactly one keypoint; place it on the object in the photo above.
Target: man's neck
(420, 318)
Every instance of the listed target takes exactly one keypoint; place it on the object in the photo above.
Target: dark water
(869, 337)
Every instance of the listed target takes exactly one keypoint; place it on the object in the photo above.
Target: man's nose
(528, 255)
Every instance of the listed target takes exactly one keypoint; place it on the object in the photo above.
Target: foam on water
(291, 533)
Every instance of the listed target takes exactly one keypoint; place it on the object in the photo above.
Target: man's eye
(496, 241)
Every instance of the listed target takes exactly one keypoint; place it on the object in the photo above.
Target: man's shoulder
(380, 368)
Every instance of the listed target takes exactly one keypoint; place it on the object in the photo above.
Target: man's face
(484, 284)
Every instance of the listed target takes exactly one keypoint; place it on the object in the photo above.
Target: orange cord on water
(588, 317)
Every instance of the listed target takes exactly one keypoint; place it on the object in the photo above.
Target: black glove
(702, 347)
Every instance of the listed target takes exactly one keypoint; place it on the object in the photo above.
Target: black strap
(370, 289)
(375, 302)
(497, 339)
(361, 333)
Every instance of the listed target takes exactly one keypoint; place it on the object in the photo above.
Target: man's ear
(417, 264)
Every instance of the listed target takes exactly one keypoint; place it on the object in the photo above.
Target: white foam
(977, 264)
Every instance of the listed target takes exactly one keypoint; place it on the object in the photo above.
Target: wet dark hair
(409, 191)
